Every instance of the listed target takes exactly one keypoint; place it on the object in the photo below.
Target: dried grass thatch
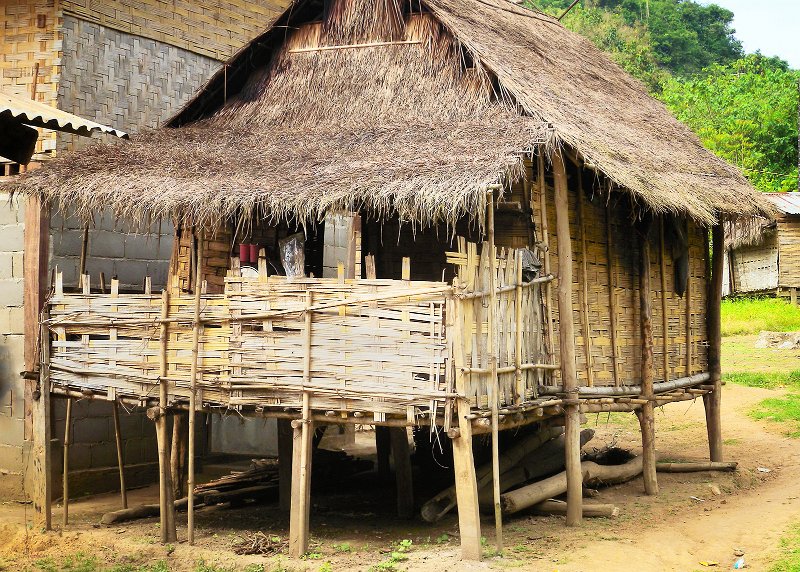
(420, 123)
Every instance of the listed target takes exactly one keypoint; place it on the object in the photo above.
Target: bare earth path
(668, 532)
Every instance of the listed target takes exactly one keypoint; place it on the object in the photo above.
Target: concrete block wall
(12, 401)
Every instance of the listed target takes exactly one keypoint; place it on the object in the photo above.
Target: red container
(244, 253)
(253, 253)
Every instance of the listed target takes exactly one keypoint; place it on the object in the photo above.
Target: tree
(745, 112)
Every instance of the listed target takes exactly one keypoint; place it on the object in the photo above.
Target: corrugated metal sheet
(37, 114)
(786, 203)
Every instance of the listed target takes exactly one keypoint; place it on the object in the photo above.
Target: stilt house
(465, 217)
(763, 256)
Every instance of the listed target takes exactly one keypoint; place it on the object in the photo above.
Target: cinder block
(11, 292)
(132, 272)
(18, 264)
(12, 431)
(67, 242)
(80, 456)
(11, 457)
(12, 237)
(104, 454)
(91, 430)
(106, 244)
(133, 451)
(130, 425)
(6, 264)
(9, 214)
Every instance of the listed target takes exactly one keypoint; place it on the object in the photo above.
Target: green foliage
(788, 560)
(753, 315)
(745, 112)
(397, 556)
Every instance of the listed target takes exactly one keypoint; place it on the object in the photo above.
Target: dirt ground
(353, 527)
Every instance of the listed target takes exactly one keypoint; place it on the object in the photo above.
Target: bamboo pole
(646, 414)
(546, 243)
(688, 295)
(84, 249)
(165, 492)
(566, 330)
(491, 345)
(518, 331)
(612, 293)
(712, 401)
(198, 284)
(587, 338)
(664, 309)
(65, 479)
(123, 491)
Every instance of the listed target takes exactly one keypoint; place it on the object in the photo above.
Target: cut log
(560, 507)
(445, 501)
(237, 496)
(540, 463)
(137, 512)
(695, 467)
(593, 475)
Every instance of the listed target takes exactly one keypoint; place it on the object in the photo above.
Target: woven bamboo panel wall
(382, 356)
(789, 263)
(755, 267)
(603, 219)
(29, 35)
(216, 260)
(208, 27)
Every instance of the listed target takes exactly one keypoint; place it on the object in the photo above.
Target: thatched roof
(439, 106)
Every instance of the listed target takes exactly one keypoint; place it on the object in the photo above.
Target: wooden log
(237, 496)
(558, 507)
(402, 470)
(141, 511)
(198, 283)
(646, 414)
(696, 467)
(713, 400)
(284, 464)
(569, 374)
(166, 496)
(65, 477)
(442, 503)
(591, 474)
(178, 455)
(123, 491)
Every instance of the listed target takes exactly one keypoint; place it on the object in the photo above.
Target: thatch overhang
(445, 103)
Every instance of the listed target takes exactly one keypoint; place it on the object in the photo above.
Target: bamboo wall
(789, 262)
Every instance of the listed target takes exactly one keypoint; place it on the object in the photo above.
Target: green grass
(751, 315)
(789, 558)
(765, 380)
(785, 409)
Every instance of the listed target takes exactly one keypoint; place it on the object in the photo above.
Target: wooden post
(65, 479)
(284, 464)
(165, 491)
(494, 383)
(612, 292)
(469, 521)
(402, 471)
(198, 284)
(713, 400)
(383, 449)
(569, 372)
(646, 414)
(42, 475)
(123, 491)
(546, 242)
(664, 308)
(84, 249)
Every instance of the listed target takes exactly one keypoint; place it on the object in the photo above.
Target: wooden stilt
(647, 412)
(469, 522)
(492, 346)
(40, 413)
(713, 400)
(612, 292)
(301, 481)
(569, 373)
(165, 490)
(178, 455)
(402, 471)
(123, 491)
(284, 464)
(383, 449)
(198, 284)
(65, 479)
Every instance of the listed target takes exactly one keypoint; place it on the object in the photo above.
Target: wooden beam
(646, 414)
(566, 330)
(713, 400)
(402, 471)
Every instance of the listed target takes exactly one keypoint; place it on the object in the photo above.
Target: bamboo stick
(198, 281)
(688, 295)
(495, 385)
(65, 479)
(166, 502)
(569, 374)
(518, 331)
(664, 309)
(546, 243)
(123, 491)
(612, 294)
(84, 249)
(587, 341)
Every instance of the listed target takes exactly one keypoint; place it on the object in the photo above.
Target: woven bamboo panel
(382, 356)
(29, 35)
(211, 28)
(789, 263)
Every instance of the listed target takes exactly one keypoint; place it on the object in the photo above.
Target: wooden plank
(569, 374)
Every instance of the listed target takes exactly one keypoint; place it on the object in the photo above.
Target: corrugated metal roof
(38, 114)
(786, 203)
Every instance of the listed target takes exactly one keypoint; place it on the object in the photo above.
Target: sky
(772, 26)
